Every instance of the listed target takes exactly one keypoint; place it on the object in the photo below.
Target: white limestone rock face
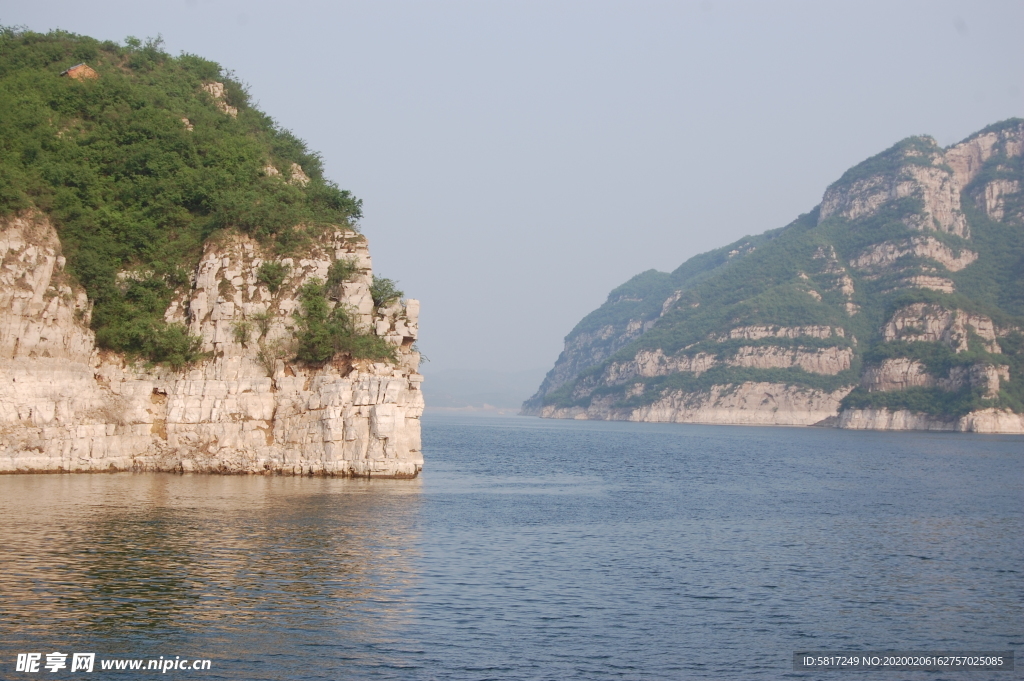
(896, 374)
(882, 256)
(247, 408)
(934, 324)
(928, 282)
(751, 403)
(759, 332)
(981, 421)
(649, 363)
(992, 197)
(903, 373)
(828, 361)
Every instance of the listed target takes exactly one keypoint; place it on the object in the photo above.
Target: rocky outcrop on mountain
(771, 331)
(936, 187)
(968, 158)
(217, 92)
(887, 253)
(992, 199)
(648, 363)
(924, 281)
(902, 373)
(895, 304)
(247, 407)
(921, 170)
(828, 361)
(933, 323)
(897, 374)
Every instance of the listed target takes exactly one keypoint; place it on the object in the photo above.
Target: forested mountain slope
(898, 302)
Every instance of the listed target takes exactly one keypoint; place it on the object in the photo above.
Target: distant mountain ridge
(896, 303)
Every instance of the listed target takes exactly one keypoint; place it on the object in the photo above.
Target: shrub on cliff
(324, 332)
(384, 291)
(341, 271)
(137, 167)
(272, 274)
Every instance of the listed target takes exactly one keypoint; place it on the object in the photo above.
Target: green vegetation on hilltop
(911, 151)
(138, 167)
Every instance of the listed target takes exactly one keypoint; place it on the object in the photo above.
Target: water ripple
(533, 550)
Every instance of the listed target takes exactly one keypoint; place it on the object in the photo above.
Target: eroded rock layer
(246, 408)
(762, 404)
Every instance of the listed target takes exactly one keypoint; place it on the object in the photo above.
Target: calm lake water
(533, 549)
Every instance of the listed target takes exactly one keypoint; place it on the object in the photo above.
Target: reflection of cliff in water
(134, 564)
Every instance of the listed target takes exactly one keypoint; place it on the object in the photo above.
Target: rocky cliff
(181, 288)
(246, 407)
(897, 303)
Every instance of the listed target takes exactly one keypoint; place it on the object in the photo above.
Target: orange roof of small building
(80, 72)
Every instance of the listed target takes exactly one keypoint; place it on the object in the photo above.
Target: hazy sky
(518, 160)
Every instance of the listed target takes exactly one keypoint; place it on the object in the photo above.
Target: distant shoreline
(486, 410)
